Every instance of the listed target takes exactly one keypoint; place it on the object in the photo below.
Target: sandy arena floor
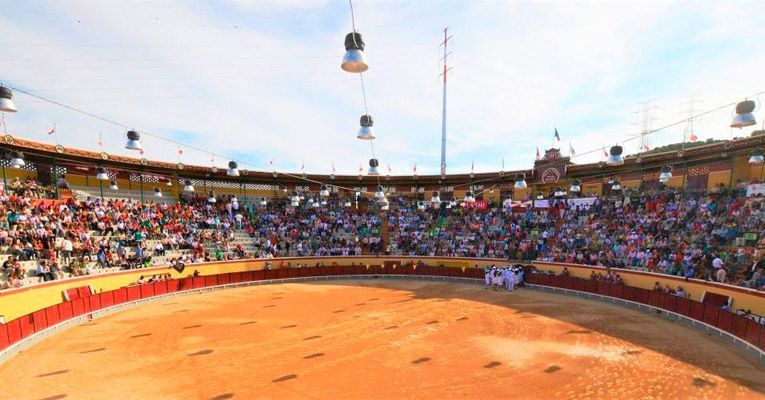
(381, 340)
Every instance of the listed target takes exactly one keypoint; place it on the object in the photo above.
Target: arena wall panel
(210, 280)
(725, 321)
(4, 340)
(147, 291)
(65, 311)
(39, 321)
(26, 323)
(628, 293)
(616, 291)
(160, 287)
(762, 339)
(641, 295)
(78, 307)
(711, 314)
(683, 306)
(224, 279)
(739, 326)
(603, 288)
(94, 303)
(107, 298)
(670, 302)
(697, 311)
(198, 282)
(655, 298)
(753, 332)
(173, 285)
(14, 330)
(51, 315)
(120, 296)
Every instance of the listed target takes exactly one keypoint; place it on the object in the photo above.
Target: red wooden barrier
(711, 314)
(628, 293)
(762, 339)
(133, 293)
(94, 303)
(51, 314)
(567, 282)
(211, 280)
(173, 285)
(39, 322)
(14, 330)
(555, 281)
(27, 325)
(267, 274)
(107, 298)
(224, 279)
(670, 302)
(4, 340)
(160, 288)
(198, 282)
(65, 311)
(250, 276)
(235, 277)
(591, 286)
(739, 326)
(603, 288)
(83, 291)
(725, 321)
(697, 311)
(293, 272)
(120, 296)
(78, 307)
(580, 284)
(654, 298)
(642, 295)
(683, 306)
(753, 332)
(616, 291)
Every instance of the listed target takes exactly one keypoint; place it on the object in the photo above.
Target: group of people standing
(508, 278)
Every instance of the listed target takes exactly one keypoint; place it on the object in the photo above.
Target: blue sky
(255, 81)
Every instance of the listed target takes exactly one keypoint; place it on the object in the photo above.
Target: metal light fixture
(324, 192)
(323, 202)
(17, 159)
(384, 204)
(366, 132)
(157, 192)
(756, 158)
(615, 186)
(187, 186)
(576, 186)
(263, 202)
(744, 116)
(6, 100)
(559, 192)
(314, 203)
(420, 205)
(347, 203)
(354, 60)
(380, 193)
(615, 158)
(520, 181)
(169, 183)
(211, 198)
(373, 164)
(101, 174)
(469, 198)
(134, 141)
(435, 198)
(232, 169)
(113, 185)
(666, 174)
(540, 196)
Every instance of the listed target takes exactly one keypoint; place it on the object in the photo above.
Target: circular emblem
(144, 161)
(639, 160)
(214, 170)
(728, 145)
(680, 153)
(181, 166)
(104, 156)
(8, 139)
(60, 149)
(550, 175)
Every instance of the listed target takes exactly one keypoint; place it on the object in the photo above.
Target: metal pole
(443, 107)
(101, 187)
(141, 180)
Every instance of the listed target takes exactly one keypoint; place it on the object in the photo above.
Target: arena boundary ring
(25, 343)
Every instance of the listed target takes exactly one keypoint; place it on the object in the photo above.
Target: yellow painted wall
(18, 302)
(630, 184)
(676, 181)
(13, 173)
(520, 194)
(741, 168)
(592, 188)
(717, 178)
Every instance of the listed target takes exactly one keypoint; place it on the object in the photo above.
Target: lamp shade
(324, 192)
(756, 158)
(263, 202)
(435, 198)
(469, 198)
(187, 186)
(133, 141)
(520, 181)
(373, 164)
(615, 158)
(366, 131)
(101, 174)
(559, 192)
(744, 116)
(17, 159)
(113, 185)
(353, 60)
(380, 193)
(666, 174)
(157, 192)
(211, 198)
(232, 169)
(615, 186)
(6, 100)
(576, 186)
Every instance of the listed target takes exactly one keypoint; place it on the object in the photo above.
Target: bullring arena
(254, 200)
(369, 332)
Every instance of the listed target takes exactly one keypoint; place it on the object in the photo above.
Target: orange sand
(380, 339)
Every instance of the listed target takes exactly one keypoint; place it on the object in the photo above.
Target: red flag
(605, 153)
(389, 170)
(52, 131)
(538, 156)
(360, 169)
(141, 152)
(472, 166)
(333, 167)
(180, 151)
(415, 168)
(645, 147)
(302, 166)
(694, 137)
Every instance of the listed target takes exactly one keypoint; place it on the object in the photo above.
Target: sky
(260, 82)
